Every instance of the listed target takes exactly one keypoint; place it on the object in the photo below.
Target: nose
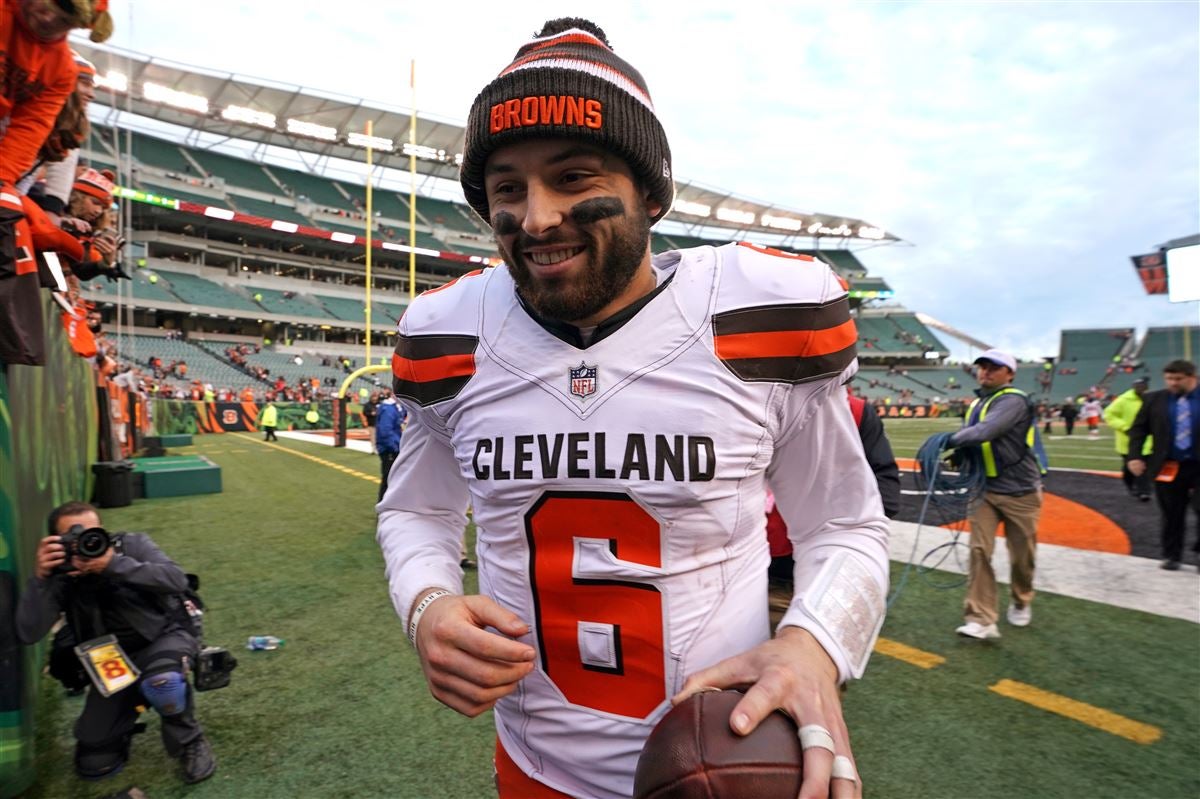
(544, 210)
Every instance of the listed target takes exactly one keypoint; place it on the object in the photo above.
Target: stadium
(274, 237)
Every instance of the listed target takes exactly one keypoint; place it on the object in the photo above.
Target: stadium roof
(325, 124)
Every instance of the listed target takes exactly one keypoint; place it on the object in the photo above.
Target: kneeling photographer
(124, 606)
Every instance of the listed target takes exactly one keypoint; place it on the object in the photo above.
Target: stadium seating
(202, 364)
(142, 288)
(451, 215)
(289, 303)
(1085, 358)
(162, 154)
(235, 171)
(198, 291)
(269, 210)
(301, 185)
(1164, 344)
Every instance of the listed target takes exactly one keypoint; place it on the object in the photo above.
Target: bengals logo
(229, 417)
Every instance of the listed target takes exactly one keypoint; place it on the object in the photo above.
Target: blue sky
(1026, 150)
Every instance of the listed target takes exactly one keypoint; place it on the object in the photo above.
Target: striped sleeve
(790, 343)
(432, 368)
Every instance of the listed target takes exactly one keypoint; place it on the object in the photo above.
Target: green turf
(343, 711)
(1066, 452)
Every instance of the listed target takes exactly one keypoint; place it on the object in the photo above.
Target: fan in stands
(693, 754)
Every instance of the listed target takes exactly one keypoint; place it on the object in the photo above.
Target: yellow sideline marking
(322, 461)
(1082, 712)
(909, 654)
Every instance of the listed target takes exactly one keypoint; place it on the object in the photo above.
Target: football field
(1090, 701)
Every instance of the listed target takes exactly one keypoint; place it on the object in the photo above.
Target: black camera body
(213, 668)
(88, 543)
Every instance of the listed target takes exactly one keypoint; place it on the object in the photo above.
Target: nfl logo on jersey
(583, 380)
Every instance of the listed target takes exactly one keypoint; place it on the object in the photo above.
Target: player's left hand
(791, 672)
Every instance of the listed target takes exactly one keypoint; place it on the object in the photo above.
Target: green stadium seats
(302, 185)
(235, 171)
(198, 291)
(267, 210)
(287, 303)
(162, 154)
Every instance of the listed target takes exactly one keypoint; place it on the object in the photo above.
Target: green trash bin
(114, 483)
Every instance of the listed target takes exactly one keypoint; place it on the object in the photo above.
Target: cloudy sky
(1024, 150)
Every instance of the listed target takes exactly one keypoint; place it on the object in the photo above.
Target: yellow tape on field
(1082, 712)
(909, 654)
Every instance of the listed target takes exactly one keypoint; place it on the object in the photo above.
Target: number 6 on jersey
(601, 639)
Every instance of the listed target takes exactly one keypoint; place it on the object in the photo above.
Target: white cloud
(1026, 149)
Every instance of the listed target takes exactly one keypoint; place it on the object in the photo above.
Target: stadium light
(868, 232)
(695, 209)
(782, 222)
(157, 93)
(240, 113)
(375, 142)
(113, 81)
(284, 227)
(824, 230)
(425, 152)
(733, 215)
(312, 130)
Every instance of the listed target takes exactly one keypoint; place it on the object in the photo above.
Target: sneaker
(1170, 565)
(1144, 497)
(198, 761)
(974, 629)
(1020, 617)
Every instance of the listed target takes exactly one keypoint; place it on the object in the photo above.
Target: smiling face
(573, 227)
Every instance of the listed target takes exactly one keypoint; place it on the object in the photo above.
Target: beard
(606, 273)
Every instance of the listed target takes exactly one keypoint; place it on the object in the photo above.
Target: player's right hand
(1137, 467)
(50, 553)
(468, 667)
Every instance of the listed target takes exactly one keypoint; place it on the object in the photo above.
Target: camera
(213, 668)
(77, 541)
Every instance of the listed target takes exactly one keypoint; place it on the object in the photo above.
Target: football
(694, 754)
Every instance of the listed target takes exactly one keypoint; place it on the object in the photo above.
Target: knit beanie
(568, 83)
(98, 184)
(91, 14)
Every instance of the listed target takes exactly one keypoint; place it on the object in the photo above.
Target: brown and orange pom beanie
(568, 83)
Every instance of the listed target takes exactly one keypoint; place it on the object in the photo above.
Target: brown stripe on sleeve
(429, 369)
(786, 343)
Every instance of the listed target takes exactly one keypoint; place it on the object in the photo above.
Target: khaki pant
(1020, 516)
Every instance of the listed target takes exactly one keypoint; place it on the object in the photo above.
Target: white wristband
(419, 611)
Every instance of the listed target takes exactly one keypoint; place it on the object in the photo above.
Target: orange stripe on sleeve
(786, 343)
(429, 369)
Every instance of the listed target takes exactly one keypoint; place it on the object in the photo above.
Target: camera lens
(93, 542)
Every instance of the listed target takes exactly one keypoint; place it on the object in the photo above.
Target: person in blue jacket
(389, 427)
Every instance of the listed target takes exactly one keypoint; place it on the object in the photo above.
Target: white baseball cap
(998, 357)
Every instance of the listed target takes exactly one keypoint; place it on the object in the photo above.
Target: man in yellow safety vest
(1001, 422)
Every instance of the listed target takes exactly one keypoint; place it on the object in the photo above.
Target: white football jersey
(618, 489)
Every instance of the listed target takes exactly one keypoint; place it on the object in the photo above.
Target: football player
(612, 418)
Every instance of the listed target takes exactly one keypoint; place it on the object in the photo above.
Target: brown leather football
(694, 754)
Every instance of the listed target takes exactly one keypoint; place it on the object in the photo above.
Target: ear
(653, 207)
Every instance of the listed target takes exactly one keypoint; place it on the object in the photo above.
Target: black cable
(951, 493)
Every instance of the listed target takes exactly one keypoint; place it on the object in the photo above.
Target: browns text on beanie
(568, 83)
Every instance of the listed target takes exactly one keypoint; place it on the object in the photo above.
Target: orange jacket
(35, 80)
(48, 236)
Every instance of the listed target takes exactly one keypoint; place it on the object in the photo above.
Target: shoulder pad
(781, 317)
(436, 342)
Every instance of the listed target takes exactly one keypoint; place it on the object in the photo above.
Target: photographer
(121, 586)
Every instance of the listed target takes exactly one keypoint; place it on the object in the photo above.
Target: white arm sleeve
(422, 514)
(60, 177)
(828, 496)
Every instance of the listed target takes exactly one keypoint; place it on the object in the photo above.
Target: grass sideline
(1066, 452)
(343, 711)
